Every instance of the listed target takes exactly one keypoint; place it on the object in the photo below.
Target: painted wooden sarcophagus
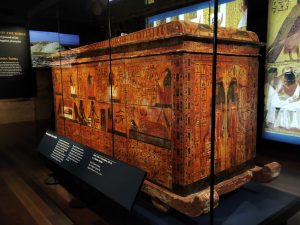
(153, 110)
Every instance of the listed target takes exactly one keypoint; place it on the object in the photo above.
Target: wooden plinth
(198, 203)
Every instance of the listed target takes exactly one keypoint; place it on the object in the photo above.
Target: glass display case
(167, 88)
(154, 98)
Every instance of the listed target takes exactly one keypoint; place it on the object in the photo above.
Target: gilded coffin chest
(153, 110)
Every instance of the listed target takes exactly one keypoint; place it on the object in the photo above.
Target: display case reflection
(232, 14)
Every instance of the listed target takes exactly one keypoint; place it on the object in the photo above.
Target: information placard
(14, 47)
(15, 64)
(113, 178)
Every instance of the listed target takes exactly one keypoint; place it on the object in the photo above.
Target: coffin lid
(180, 29)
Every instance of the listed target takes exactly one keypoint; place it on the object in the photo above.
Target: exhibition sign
(15, 65)
(14, 49)
(113, 178)
(282, 83)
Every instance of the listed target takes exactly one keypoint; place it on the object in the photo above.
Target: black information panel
(113, 178)
(15, 62)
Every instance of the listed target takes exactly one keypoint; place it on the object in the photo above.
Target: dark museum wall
(30, 99)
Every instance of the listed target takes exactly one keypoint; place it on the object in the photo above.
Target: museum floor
(26, 200)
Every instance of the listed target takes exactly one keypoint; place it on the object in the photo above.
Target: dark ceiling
(22, 11)
(85, 17)
(89, 18)
(15, 11)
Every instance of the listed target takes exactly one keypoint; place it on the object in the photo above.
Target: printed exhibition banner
(282, 83)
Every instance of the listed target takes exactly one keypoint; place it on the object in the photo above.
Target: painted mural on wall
(282, 86)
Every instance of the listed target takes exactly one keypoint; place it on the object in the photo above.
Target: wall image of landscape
(43, 44)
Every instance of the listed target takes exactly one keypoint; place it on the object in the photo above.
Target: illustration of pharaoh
(220, 119)
(288, 104)
(270, 88)
(93, 117)
(220, 103)
(289, 86)
(79, 113)
(282, 98)
(164, 93)
(72, 88)
(113, 88)
(90, 87)
(274, 83)
(232, 120)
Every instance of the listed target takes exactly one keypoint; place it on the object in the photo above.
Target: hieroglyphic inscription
(280, 5)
